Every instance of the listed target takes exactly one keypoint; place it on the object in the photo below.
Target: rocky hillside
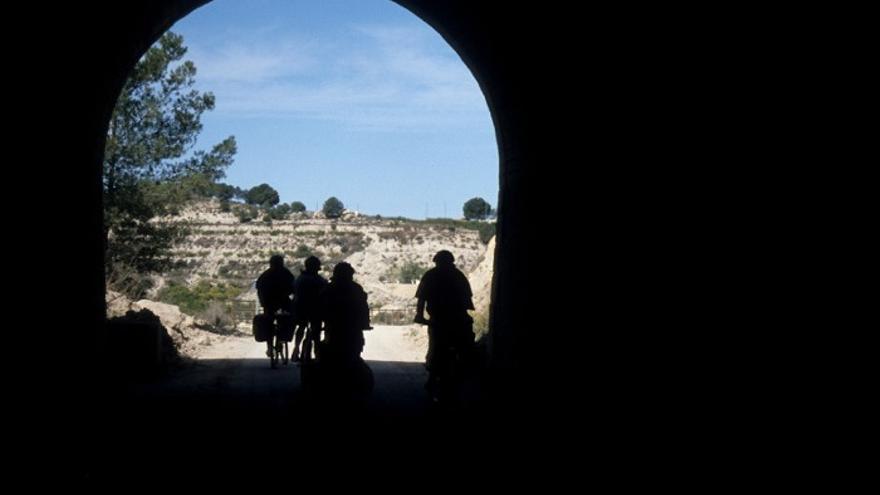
(481, 279)
(387, 254)
(192, 337)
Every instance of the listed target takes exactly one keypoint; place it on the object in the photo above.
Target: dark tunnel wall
(603, 264)
(480, 32)
(529, 76)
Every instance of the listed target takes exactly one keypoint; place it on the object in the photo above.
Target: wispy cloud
(374, 77)
(247, 63)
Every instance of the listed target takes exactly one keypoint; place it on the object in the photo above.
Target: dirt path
(228, 411)
(383, 343)
(233, 375)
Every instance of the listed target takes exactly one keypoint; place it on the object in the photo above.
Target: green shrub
(247, 213)
(487, 231)
(195, 300)
(219, 316)
(410, 272)
(280, 212)
(350, 242)
(302, 251)
(235, 269)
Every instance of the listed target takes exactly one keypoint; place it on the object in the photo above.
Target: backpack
(262, 327)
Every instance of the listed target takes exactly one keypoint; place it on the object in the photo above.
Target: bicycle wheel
(450, 378)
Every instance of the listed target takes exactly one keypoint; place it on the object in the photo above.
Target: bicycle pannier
(262, 327)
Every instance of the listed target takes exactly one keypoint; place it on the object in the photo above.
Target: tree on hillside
(297, 207)
(172, 194)
(240, 194)
(224, 192)
(279, 212)
(263, 195)
(476, 209)
(333, 208)
(149, 164)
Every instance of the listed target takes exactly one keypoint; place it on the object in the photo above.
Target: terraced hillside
(388, 255)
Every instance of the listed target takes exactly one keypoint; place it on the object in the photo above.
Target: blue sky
(357, 99)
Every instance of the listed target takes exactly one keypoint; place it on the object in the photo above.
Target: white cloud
(377, 77)
(250, 63)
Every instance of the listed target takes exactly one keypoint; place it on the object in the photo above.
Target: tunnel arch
(637, 103)
(159, 17)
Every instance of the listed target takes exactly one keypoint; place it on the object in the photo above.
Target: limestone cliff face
(222, 249)
(481, 278)
(188, 333)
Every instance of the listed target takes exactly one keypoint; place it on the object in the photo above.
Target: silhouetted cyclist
(306, 300)
(274, 287)
(346, 315)
(446, 293)
(344, 378)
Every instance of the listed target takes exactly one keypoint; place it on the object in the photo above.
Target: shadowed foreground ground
(239, 409)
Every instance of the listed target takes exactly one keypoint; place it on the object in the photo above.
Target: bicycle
(283, 329)
(311, 342)
(447, 371)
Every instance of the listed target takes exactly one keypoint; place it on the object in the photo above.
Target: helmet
(343, 271)
(312, 264)
(444, 257)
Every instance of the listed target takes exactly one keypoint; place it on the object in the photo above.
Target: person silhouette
(345, 313)
(306, 298)
(341, 377)
(274, 288)
(446, 294)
